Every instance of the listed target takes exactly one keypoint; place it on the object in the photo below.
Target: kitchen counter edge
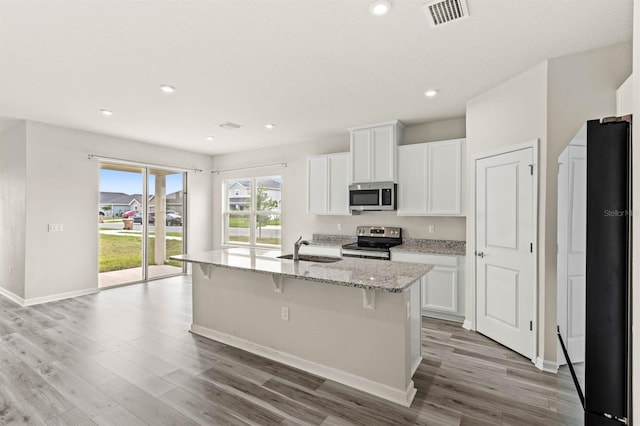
(373, 270)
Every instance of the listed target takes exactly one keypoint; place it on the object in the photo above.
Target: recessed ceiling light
(430, 93)
(379, 7)
(167, 89)
(269, 126)
(106, 112)
(209, 138)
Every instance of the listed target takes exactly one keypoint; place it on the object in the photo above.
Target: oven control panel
(379, 231)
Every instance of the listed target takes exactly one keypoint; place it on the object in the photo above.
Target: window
(252, 211)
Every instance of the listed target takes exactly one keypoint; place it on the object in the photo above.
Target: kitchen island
(354, 321)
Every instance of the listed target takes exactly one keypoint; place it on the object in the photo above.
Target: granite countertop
(379, 275)
(332, 240)
(413, 245)
(448, 247)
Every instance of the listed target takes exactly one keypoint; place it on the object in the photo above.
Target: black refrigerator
(606, 393)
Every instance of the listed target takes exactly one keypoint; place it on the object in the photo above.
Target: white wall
(509, 114)
(581, 87)
(294, 218)
(624, 98)
(454, 128)
(60, 175)
(13, 164)
(549, 102)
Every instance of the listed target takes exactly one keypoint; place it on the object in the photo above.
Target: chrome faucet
(296, 248)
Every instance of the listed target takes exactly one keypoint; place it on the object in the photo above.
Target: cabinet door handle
(479, 254)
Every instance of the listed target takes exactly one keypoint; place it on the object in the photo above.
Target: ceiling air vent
(230, 126)
(444, 11)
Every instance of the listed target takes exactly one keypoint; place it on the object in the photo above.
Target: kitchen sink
(312, 258)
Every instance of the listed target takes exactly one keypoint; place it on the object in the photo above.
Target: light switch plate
(55, 227)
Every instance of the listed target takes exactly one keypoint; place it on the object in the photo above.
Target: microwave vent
(444, 11)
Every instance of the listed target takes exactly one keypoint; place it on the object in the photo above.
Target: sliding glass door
(120, 258)
(141, 223)
(165, 216)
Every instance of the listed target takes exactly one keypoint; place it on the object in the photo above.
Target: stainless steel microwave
(372, 196)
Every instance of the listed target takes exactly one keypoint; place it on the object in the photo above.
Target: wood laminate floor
(124, 357)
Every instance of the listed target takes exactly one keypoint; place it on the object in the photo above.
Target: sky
(131, 183)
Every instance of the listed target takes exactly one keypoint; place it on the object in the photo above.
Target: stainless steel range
(373, 242)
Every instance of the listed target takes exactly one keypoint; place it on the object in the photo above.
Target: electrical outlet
(432, 229)
(339, 227)
(55, 227)
(285, 313)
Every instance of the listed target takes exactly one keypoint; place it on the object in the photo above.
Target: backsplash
(445, 228)
(333, 239)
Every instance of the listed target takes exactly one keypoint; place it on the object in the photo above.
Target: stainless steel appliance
(373, 242)
(372, 196)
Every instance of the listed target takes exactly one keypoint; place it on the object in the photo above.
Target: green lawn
(243, 222)
(238, 222)
(168, 234)
(245, 239)
(123, 252)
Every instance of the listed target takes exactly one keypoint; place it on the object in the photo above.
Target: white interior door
(505, 262)
(572, 240)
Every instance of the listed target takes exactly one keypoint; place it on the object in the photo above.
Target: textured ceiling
(312, 67)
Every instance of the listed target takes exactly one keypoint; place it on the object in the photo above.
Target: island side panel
(413, 295)
(328, 326)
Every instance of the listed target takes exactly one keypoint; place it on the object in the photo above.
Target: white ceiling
(312, 67)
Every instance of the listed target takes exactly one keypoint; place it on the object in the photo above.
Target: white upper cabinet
(338, 184)
(445, 177)
(383, 158)
(373, 152)
(328, 184)
(431, 179)
(361, 156)
(412, 175)
(317, 184)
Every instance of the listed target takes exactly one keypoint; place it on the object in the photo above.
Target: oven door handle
(366, 254)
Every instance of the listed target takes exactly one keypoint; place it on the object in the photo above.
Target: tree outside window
(252, 211)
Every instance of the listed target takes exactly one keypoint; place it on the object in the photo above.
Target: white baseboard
(59, 296)
(402, 397)
(546, 365)
(442, 315)
(467, 325)
(12, 296)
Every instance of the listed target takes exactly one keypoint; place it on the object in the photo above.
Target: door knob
(479, 254)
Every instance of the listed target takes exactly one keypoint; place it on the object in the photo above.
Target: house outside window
(252, 212)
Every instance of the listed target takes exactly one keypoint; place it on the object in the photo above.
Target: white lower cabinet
(443, 287)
